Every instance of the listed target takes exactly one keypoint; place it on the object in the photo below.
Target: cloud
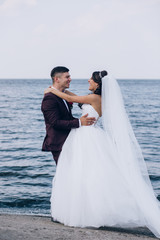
(11, 7)
(122, 34)
(103, 15)
(40, 29)
(115, 10)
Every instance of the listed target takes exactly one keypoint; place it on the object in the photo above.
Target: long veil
(116, 123)
(128, 154)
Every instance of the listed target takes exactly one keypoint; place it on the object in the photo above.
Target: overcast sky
(121, 36)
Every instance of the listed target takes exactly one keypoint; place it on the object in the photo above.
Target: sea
(26, 172)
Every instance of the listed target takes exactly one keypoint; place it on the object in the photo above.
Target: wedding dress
(101, 182)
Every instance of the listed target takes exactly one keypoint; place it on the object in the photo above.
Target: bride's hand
(49, 90)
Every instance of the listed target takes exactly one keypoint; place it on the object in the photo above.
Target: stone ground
(16, 227)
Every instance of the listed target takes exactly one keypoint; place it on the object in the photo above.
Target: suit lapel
(69, 107)
(64, 106)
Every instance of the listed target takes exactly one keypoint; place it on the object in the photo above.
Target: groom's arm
(53, 117)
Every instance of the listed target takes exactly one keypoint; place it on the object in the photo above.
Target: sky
(120, 36)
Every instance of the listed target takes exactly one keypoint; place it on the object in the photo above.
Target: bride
(101, 177)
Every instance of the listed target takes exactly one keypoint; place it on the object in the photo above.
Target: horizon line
(77, 78)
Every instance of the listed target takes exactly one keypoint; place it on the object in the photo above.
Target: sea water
(26, 172)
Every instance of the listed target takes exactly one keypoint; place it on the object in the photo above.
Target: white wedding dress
(92, 187)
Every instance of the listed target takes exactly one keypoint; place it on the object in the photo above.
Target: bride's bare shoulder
(96, 97)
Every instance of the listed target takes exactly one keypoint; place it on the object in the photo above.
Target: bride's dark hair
(97, 77)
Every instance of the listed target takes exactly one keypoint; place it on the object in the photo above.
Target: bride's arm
(72, 98)
(70, 93)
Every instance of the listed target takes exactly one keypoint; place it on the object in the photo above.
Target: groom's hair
(58, 69)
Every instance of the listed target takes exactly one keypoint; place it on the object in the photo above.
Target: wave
(26, 203)
(26, 173)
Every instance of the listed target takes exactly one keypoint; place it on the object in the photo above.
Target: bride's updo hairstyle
(97, 77)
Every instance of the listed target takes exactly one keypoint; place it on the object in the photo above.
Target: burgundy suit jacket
(59, 121)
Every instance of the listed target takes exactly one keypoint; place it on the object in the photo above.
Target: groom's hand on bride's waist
(87, 121)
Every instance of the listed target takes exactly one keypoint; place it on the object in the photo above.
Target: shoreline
(18, 226)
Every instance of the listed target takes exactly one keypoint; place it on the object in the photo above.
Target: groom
(57, 114)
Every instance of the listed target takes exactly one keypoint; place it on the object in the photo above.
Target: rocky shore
(28, 227)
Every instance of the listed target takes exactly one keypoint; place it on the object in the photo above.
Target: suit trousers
(56, 155)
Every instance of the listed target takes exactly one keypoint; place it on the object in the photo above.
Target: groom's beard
(59, 88)
(65, 88)
(67, 85)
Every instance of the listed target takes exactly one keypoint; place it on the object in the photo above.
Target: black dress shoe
(52, 220)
